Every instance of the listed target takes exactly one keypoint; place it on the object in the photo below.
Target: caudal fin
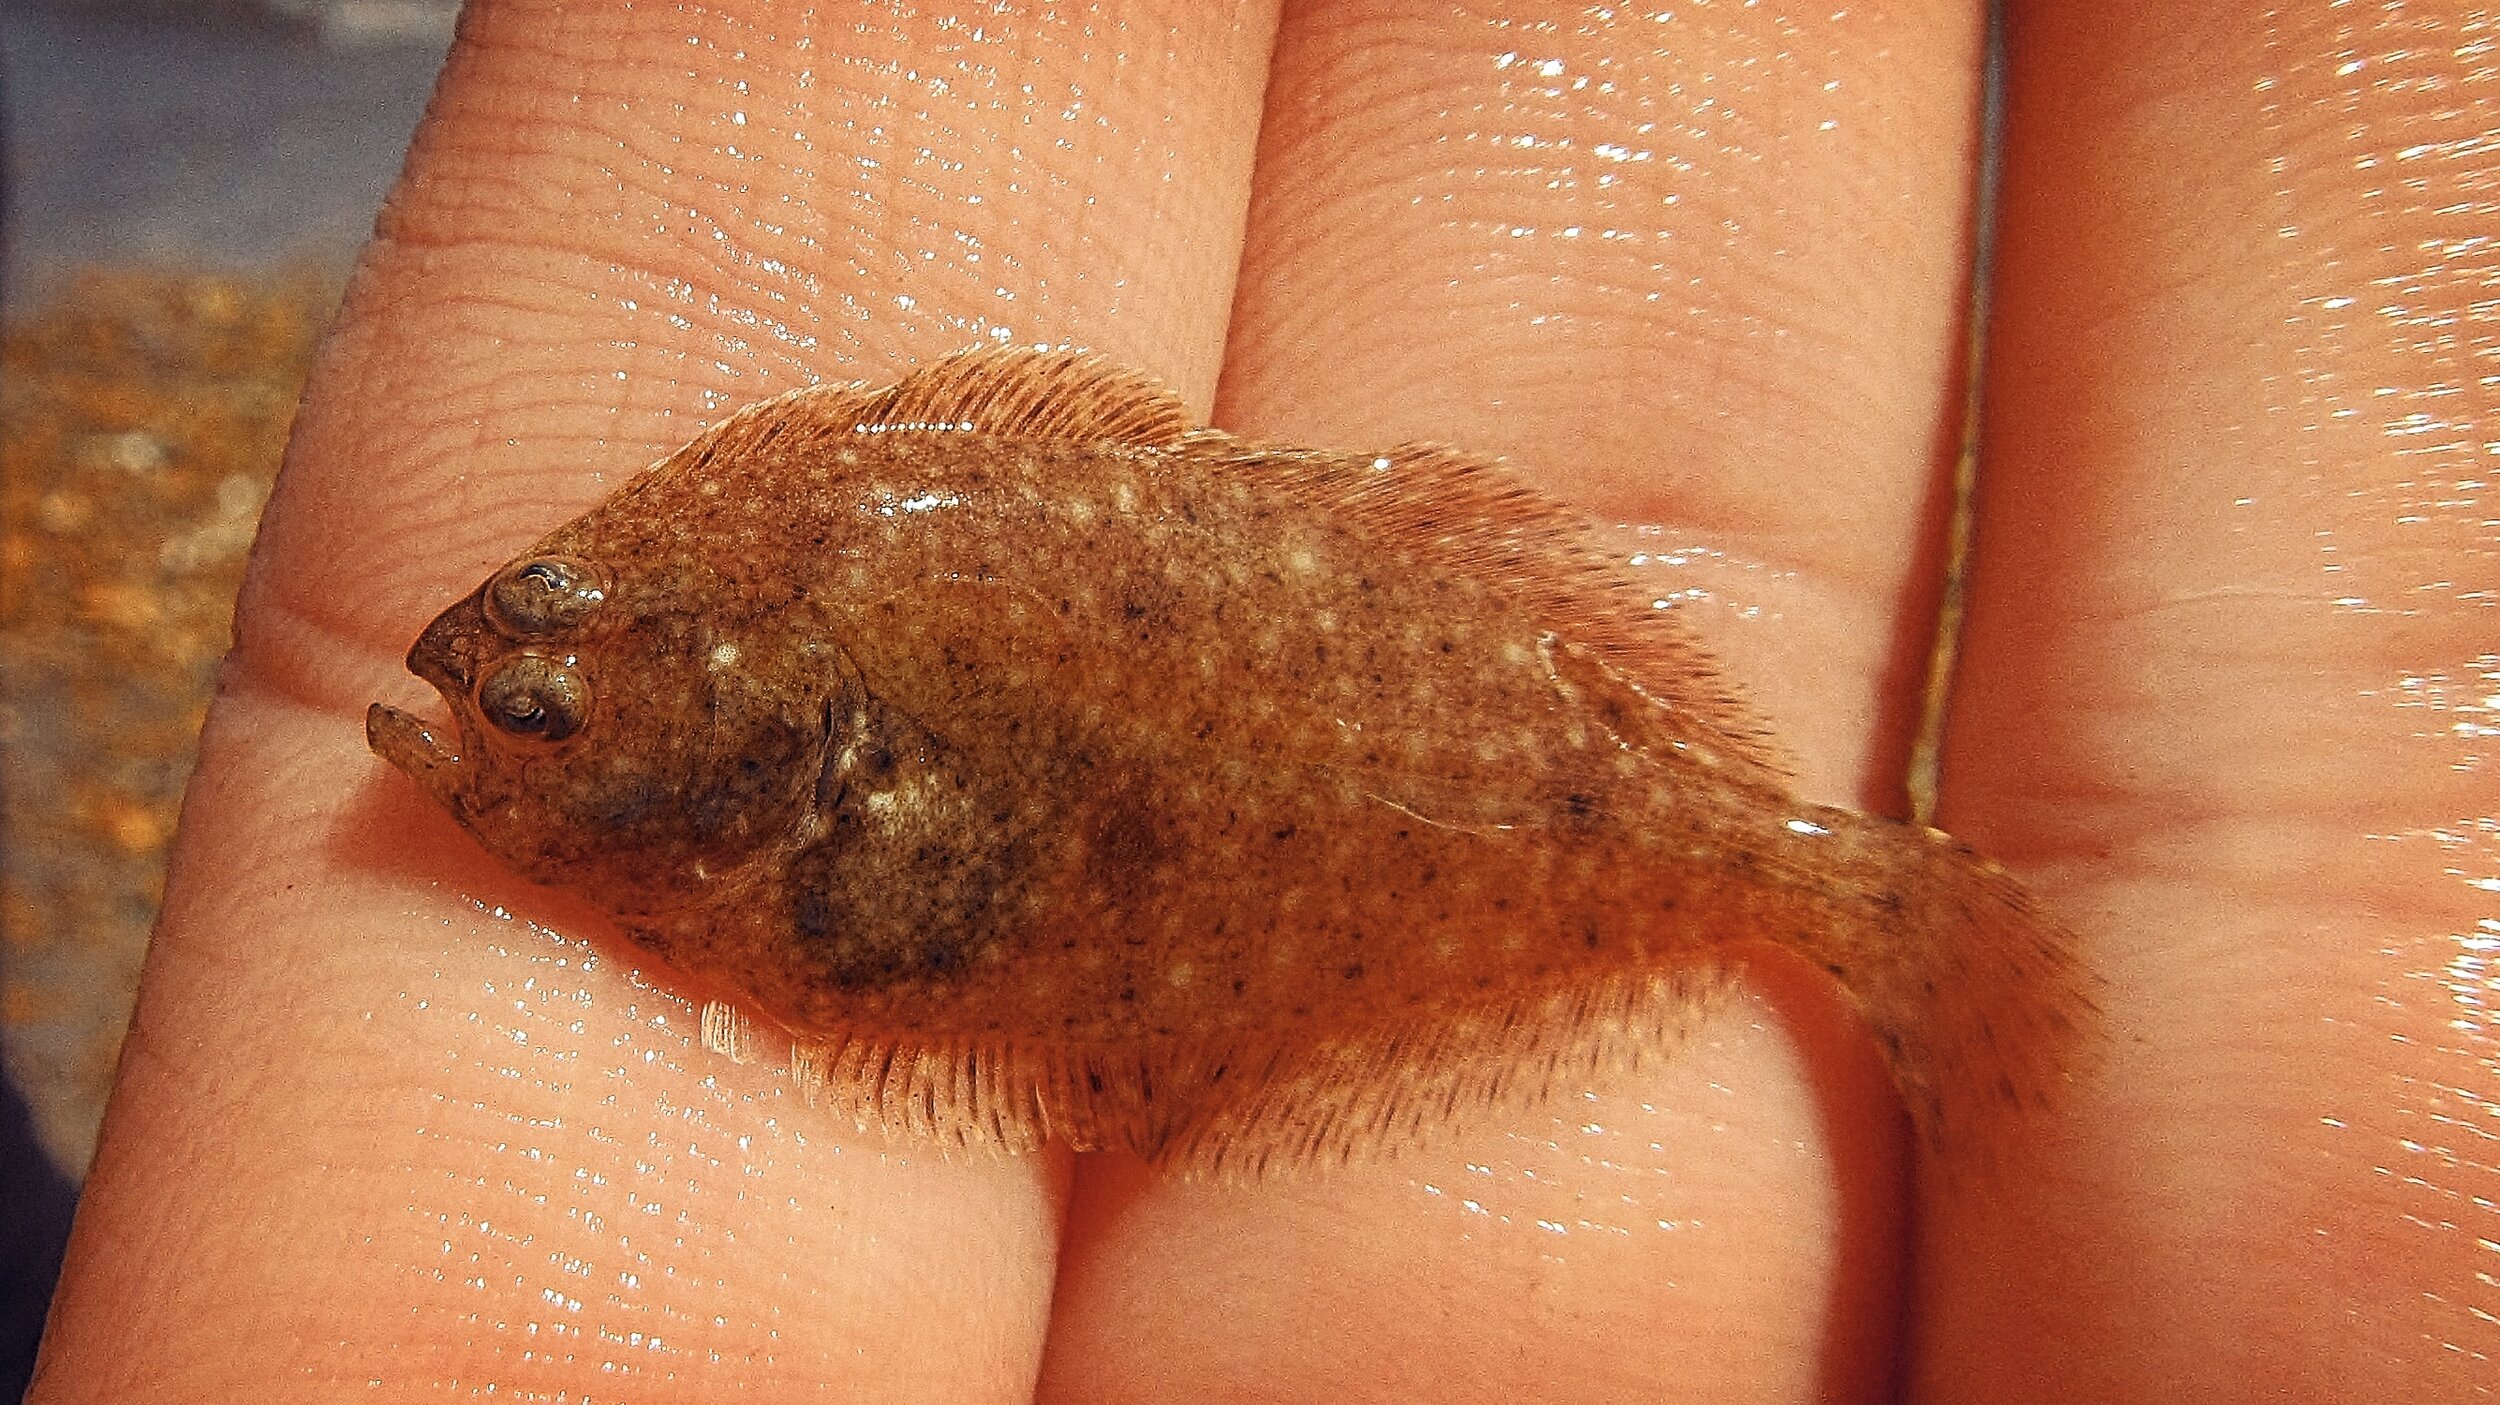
(1979, 998)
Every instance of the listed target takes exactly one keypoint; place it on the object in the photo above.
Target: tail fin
(1978, 997)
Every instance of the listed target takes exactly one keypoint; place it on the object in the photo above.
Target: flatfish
(1050, 768)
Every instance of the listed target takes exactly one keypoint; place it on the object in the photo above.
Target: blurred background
(182, 186)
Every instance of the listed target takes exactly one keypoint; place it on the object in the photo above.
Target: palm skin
(387, 1114)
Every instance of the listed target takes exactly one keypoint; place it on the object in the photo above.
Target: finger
(1697, 268)
(1693, 270)
(2229, 679)
(374, 1122)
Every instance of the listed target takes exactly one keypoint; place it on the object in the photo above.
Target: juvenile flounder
(1050, 768)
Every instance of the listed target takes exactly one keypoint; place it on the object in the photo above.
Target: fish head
(616, 729)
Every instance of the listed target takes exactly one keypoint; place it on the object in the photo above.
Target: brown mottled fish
(1050, 768)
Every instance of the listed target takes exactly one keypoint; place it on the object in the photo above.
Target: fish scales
(1047, 767)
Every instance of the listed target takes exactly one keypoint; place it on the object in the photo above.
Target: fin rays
(1256, 1108)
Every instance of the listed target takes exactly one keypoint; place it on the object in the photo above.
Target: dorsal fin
(1029, 393)
(1476, 517)
(1008, 392)
(1470, 516)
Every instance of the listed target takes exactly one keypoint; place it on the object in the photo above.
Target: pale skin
(374, 1126)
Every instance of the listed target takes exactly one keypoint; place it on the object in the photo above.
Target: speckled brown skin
(1049, 768)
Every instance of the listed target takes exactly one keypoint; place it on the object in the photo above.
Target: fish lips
(445, 656)
(416, 747)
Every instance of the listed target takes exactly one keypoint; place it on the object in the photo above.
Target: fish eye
(545, 594)
(535, 697)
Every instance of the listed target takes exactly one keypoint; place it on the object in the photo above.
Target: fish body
(1048, 767)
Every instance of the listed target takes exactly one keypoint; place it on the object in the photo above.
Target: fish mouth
(429, 753)
(415, 746)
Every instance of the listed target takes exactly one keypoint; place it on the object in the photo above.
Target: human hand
(1704, 271)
